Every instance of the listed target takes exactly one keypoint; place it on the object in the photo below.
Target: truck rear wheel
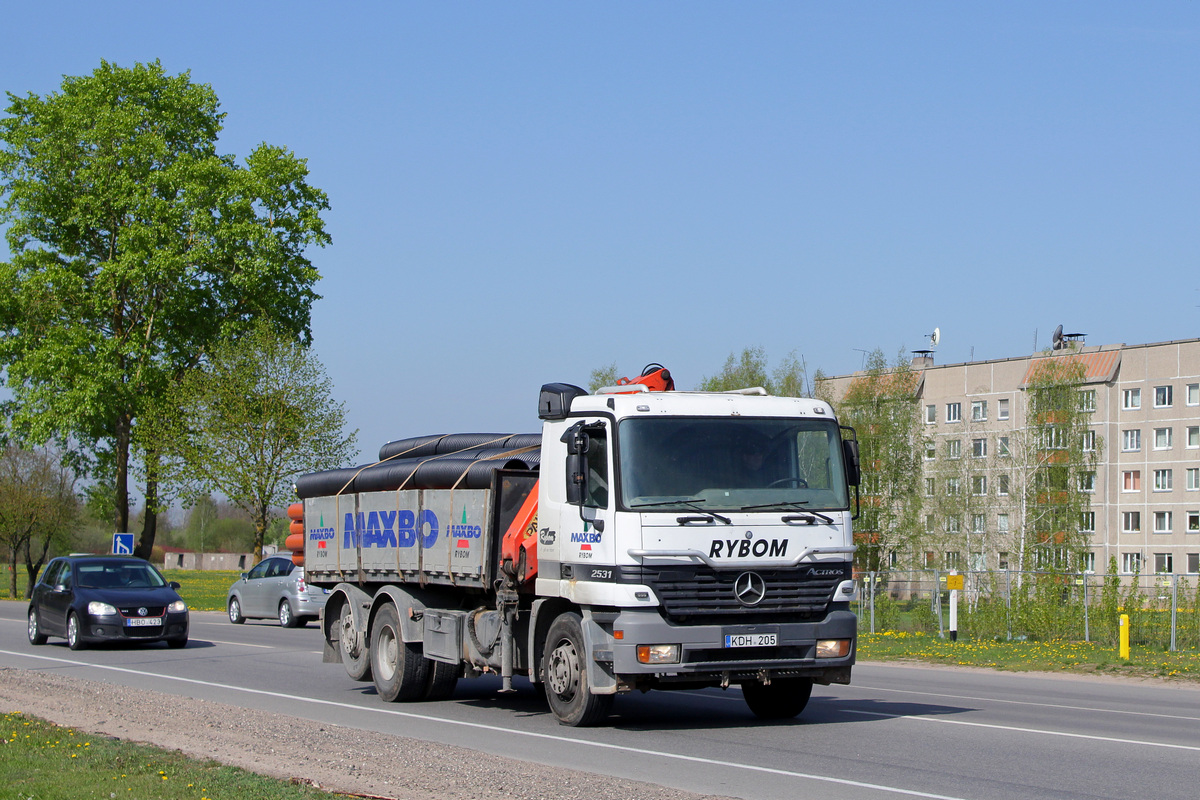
(567, 687)
(400, 669)
(782, 698)
(443, 678)
(355, 659)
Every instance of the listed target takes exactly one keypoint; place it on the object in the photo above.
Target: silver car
(275, 588)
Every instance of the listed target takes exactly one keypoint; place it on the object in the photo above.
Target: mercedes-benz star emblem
(749, 588)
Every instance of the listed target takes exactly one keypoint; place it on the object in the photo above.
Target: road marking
(1026, 703)
(1022, 730)
(508, 731)
(241, 644)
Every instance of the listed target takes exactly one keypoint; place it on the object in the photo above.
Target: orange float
(296, 511)
(296, 527)
(298, 559)
(294, 542)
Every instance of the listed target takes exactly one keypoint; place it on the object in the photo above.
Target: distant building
(1145, 420)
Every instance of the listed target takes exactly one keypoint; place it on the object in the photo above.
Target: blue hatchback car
(87, 598)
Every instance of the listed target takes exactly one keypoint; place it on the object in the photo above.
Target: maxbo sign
(400, 528)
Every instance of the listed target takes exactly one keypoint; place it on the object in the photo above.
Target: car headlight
(178, 607)
(98, 609)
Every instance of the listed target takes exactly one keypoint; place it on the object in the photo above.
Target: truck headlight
(658, 653)
(833, 648)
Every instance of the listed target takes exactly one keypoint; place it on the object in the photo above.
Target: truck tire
(782, 698)
(443, 678)
(564, 665)
(401, 670)
(357, 664)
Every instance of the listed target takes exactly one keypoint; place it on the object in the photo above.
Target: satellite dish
(1056, 341)
(935, 337)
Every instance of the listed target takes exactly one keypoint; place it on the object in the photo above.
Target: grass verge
(1024, 656)
(39, 759)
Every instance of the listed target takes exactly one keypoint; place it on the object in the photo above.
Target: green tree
(38, 507)
(881, 404)
(751, 368)
(257, 414)
(603, 376)
(135, 245)
(1057, 455)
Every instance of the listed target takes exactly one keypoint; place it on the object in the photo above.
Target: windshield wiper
(692, 504)
(779, 504)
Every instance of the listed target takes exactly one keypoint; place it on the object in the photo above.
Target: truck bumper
(704, 654)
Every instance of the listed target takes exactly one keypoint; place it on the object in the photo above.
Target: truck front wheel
(567, 688)
(400, 669)
(782, 698)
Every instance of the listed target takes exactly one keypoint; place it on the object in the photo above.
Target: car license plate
(750, 640)
(142, 622)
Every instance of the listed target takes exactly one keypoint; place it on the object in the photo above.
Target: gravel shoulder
(327, 756)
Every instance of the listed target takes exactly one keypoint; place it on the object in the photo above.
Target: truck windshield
(731, 464)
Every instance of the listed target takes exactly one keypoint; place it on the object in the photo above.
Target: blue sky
(523, 192)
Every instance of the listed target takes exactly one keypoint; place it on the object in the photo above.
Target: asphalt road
(896, 732)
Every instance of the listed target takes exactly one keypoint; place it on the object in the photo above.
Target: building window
(1087, 521)
(1087, 562)
(1131, 440)
(1193, 436)
(952, 487)
(930, 451)
(1054, 438)
(1193, 522)
(1193, 394)
(1002, 485)
(952, 559)
(1163, 395)
(1163, 562)
(979, 448)
(978, 562)
(953, 412)
(1002, 523)
(930, 414)
(929, 486)
(930, 559)
(1002, 447)
(1162, 480)
(1087, 481)
(978, 523)
(930, 523)
(1089, 441)
(1002, 559)
(978, 410)
(1162, 438)
(893, 559)
(1002, 408)
(954, 448)
(1131, 480)
(1193, 479)
(1193, 563)
(1131, 399)
(979, 484)
(953, 524)
(1162, 521)
(1087, 400)
(1131, 521)
(1131, 562)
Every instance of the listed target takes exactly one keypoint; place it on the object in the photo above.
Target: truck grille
(700, 595)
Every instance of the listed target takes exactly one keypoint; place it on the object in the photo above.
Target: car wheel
(235, 611)
(74, 634)
(286, 618)
(35, 634)
(567, 688)
(177, 642)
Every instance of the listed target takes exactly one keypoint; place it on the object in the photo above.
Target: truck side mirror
(853, 471)
(577, 442)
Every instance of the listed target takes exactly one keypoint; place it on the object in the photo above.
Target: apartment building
(1144, 428)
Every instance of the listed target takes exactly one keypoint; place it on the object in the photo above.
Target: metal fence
(1164, 610)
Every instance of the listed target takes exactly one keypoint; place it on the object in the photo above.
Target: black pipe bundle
(461, 460)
